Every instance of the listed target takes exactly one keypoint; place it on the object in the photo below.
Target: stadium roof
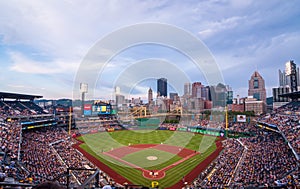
(292, 95)
(17, 96)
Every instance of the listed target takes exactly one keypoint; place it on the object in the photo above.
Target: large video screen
(101, 109)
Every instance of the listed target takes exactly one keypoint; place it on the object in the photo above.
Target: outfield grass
(97, 143)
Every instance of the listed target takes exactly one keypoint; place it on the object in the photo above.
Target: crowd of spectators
(35, 147)
(202, 177)
(265, 158)
(168, 126)
(89, 127)
(258, 161)
(226, 165)
(55, 144)
(10, 133)
(287, 119)
(241, 127)
(98, 124)
(10, 138)
(45, 152)
(17, 108)
(72, 159)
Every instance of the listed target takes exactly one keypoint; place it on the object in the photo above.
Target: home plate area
(121, 152)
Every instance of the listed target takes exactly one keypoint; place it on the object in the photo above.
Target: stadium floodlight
(83, 87)
(83, 90)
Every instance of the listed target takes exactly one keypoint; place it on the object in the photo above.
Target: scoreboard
(101, 109)
(97, 108)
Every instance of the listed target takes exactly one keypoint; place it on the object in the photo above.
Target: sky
(44, 43)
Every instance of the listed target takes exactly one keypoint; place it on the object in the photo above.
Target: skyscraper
(150, 96)
(162, 89)
(257, 90)
(218, 95)
(197, 89)
(200, 91)
(291, 75)
(205, 93)
(282, 78)
(257, 87)
(174, 96)
(187, 89)
(289, 81)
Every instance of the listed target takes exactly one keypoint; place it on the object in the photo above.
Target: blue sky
(42, 43)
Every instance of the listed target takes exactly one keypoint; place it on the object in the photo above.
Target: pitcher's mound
(152, 158)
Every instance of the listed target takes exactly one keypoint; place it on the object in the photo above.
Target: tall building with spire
(257, 96)
(257, 87)
(150, 95)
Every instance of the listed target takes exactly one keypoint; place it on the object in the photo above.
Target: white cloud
(16, 86)
(52, 37)
(60, 27)
(24, 64)
(216, 27)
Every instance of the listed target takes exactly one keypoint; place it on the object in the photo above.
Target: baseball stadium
(51, 142)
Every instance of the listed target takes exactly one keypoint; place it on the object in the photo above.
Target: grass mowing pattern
(98, 142)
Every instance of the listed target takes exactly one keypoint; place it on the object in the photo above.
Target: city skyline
(43, 43)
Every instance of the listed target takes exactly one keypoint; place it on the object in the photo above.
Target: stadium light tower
(83, 90)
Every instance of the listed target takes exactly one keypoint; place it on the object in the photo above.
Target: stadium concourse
(30, 156)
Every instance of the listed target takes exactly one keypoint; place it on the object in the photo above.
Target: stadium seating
(44, 154)
(32, 106)
(286, 118)
(265, 159)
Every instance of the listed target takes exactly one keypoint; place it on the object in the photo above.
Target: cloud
(16, 86)
(64, 27)
(25, 87)
(24, 64)
(216, 27)
(267, 59)
(52, 37)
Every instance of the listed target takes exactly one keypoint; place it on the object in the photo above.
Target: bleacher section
(35, 150)
(33, 106)
(286, 118)
(98, 124)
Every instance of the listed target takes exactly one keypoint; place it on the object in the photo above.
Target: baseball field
(156, 158)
